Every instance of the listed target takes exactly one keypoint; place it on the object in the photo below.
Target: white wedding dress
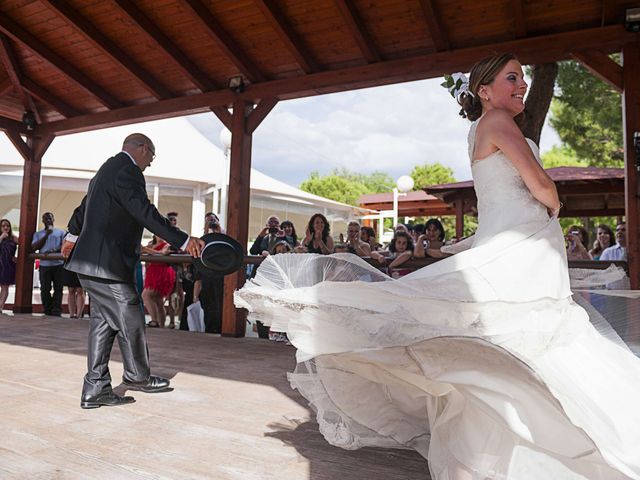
(482, 362)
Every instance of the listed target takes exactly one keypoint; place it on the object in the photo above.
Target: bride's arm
(500, 130)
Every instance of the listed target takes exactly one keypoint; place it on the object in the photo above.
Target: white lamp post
(403, 185)
(225, 139)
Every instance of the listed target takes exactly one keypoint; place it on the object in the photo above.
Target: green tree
(431, 174)
(345, 186)
(587, 115)
(562, 156)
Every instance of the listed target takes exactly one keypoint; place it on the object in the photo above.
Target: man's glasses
(152, 151)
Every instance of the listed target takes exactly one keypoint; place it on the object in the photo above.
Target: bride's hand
(554, 212)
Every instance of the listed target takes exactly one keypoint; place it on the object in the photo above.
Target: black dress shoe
(153, 385)
(109, 399)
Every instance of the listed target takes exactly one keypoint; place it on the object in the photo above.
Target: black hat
(221, 255)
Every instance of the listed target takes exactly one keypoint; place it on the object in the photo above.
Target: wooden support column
(459, 204)
(245, 119)
(32, 151)
(631, 124)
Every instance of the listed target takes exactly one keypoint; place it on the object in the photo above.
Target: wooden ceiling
(86, 64)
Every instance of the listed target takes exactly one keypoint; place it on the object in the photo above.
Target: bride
(482, 362)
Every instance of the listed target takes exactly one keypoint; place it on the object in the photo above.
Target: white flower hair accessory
(457, 84)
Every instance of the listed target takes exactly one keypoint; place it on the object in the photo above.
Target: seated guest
(210, 218)
(577, 239)
(368, 235)
(604, 240)
(403, 228)
(619, 250)
(418, 229)
(317, 239)
(354, 244)
(281, 247)
(400, 250)
(429, 243)
(290, 233)
(268, 236)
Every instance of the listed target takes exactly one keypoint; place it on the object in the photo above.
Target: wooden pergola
(76, 65)
(417, 203)
(583, 191)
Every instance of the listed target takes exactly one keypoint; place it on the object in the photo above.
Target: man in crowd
(354, 243)
(268, 236)
(49, 240)
(104, 245)
(619, 250)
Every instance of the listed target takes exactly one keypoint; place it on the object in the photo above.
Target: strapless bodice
(504, 201)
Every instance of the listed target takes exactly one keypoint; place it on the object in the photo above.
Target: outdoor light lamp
(403, 185)
(632, 20)
(236, 84)
(29, 120)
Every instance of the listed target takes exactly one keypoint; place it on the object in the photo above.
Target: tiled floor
(231, 415)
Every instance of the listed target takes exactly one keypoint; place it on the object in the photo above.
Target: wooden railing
(414, 263)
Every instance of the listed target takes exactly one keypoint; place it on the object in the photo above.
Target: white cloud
(391, 129)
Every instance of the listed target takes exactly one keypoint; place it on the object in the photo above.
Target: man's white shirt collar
(129, 155)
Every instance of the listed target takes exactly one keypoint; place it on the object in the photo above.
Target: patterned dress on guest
(7, 264)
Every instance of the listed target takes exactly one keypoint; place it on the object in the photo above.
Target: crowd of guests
(167, 290)
(606, 247)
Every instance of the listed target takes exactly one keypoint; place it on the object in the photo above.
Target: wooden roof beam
(519, 18)
(6, 86)
(6, 124)
(224, 40)
(259, 113)
(434, 25)
(188, 68)
(289, 37)
(47, 97)
(533, 50)
(22, 147)
(602, 67)
(21, 36)
(12, 68)
(356, 27)
(608, 12)
(109, 48)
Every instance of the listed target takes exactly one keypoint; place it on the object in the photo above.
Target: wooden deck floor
(231, 415)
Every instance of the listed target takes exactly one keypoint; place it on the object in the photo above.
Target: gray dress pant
(116, 311)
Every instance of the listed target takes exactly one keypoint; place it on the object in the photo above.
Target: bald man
(103, 247)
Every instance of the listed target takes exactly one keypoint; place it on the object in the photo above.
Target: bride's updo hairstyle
(482, 73)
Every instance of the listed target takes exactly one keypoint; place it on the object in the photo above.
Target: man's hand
(195, 246)
(67, 246)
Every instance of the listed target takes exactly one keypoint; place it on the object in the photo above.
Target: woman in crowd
(8, 247)
(290, 233)
(400, 250)
(368, 234)
(75, 294)
(430, 242)
(317, 239)
(604, 239)
(577, 240)
(159, 281)
(482, 362)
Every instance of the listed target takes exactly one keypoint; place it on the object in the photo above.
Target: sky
(389, 129)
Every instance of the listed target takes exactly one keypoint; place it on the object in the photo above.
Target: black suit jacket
(110, 220)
